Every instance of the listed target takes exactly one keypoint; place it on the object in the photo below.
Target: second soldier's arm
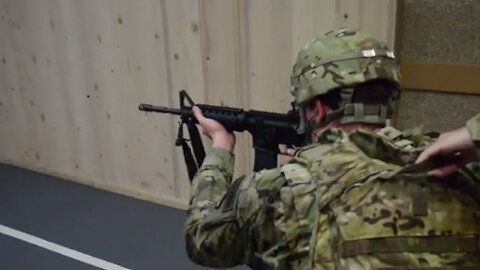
(458, 147)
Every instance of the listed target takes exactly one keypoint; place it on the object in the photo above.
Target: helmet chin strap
(363, 113)
(349, 112)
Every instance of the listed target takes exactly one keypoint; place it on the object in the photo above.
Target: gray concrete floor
(132, 233)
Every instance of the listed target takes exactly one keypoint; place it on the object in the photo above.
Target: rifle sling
(197, 144)
(187, 153)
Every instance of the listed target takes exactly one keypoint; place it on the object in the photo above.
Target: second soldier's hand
(221, 138)
(456, 147)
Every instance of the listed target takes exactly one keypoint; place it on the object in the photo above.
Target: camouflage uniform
(341, 203)
(345, 201)
(473, 126)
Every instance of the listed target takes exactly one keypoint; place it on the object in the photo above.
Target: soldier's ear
(321, 110)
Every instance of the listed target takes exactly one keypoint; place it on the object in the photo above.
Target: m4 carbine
(268, 130)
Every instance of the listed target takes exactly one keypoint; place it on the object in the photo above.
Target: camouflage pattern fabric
(344, 202)
(340, 59)
(473, 126)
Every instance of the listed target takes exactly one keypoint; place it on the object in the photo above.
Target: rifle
(268, 130)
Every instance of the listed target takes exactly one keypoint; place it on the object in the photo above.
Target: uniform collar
(387, 144)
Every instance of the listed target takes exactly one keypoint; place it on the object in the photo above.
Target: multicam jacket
(344, 202)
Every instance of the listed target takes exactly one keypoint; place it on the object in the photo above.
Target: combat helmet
(341, 60)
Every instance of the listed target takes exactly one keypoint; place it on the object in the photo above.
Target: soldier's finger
(199, 115)
(431, 151)
(284, 150)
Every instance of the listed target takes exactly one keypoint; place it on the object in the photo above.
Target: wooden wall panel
(73, 72)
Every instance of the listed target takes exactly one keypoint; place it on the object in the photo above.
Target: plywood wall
(72, 73)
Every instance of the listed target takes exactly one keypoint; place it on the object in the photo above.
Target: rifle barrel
(160, 109)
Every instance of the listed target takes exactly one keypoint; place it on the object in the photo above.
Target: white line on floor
(65, 251)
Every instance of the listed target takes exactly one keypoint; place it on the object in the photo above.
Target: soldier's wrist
(224, 141)
(224, 146)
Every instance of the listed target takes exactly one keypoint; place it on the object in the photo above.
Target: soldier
(459, 147)
(348, 200)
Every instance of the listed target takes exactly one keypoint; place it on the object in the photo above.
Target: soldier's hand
(455, 147)
(220, 137)
(285, 150)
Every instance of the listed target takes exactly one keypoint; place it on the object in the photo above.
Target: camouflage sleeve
(212, 231)
(473, 126)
